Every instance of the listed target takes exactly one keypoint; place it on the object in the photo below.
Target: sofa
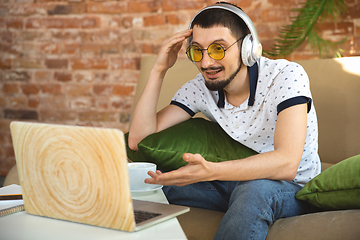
(335, 85)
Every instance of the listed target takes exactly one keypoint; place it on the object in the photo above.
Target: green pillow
(338, 187)
(195, 135)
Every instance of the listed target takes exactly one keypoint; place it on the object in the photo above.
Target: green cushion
(195, 135)
(338, 187)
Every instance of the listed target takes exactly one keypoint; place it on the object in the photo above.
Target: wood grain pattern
(74, 173)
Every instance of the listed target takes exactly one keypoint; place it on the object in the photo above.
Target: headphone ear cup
(246, 51)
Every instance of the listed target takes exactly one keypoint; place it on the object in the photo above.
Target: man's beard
(216, 85)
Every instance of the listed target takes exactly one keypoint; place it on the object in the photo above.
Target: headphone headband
(250, 54)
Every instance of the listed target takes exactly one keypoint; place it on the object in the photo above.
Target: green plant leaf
(303, 28)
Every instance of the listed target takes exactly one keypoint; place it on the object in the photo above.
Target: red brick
(150, 48)
(102, 89)
(130, 48)
(101, 76)
(17, 76)
(25, 9)
(17, 23)
(340, 28)
(10, 152)
(107, 7)
(281, 2)
(122, 104)
(43, 76)
(87, 63)
(53, 22)
(34, 23)
(69, 36)
(63, 76)
(175, 19)
(27, 63)
(50, 48)
(58, 102)
(55, 115)
(83, 77)
(10, 48)
(51, 88)
(30, 88)
(21, 114)
(3, 102)
(275, 15)
(103, 35)
(109, 48)
(36, 36)
(123, 90)
(354, 11)
(90, 48)
(17, 101)
(7, 36)
(10, 88)
(33, 102)
(125, 63)
(82, 103)
(126, 22)
(4, 125)
(102, 104)
(154, 20)
(78, 89)
(67, 9)
(57, 22)
(131, 63)
(174, 5)
(71, 23)
(70, 48)
(5, 63)
(266, 31)
(95, 116)
(2, 21)
(241, 3)
(90, 22)
(144, 6)
(56, 63)
(5, 138)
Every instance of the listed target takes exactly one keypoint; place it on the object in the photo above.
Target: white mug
(138, 172)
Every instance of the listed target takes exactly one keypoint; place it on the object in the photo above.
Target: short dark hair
(224, 18)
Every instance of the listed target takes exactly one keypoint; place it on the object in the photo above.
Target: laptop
(80, 174)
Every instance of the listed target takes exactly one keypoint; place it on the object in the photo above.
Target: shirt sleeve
(188, 97)
(292, 87)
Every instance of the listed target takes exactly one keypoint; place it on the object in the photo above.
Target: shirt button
(237, 126)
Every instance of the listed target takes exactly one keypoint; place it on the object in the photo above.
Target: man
(264, 104)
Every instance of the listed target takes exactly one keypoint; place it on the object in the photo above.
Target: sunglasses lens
(194, 53)
(216, 51)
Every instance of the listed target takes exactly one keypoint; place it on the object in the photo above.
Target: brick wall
(77, 61)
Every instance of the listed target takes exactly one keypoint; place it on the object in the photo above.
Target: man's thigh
(278, 196)
(214, 195)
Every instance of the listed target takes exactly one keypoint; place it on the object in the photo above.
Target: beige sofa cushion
(335, 85)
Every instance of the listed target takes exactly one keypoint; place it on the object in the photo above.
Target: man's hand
(197, 170)
(169, 51)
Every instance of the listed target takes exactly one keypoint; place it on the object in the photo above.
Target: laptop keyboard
(141, 216)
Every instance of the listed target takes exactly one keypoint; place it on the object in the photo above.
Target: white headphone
(251, 48)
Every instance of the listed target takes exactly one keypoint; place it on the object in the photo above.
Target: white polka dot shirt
(274, 86)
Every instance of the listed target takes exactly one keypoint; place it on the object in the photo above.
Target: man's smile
(213, 72)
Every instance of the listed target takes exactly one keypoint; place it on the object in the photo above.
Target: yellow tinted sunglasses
(215, 51)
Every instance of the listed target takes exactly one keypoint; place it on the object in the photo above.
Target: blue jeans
(250, 207)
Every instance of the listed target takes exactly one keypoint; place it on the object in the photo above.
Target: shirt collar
(253, 76)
